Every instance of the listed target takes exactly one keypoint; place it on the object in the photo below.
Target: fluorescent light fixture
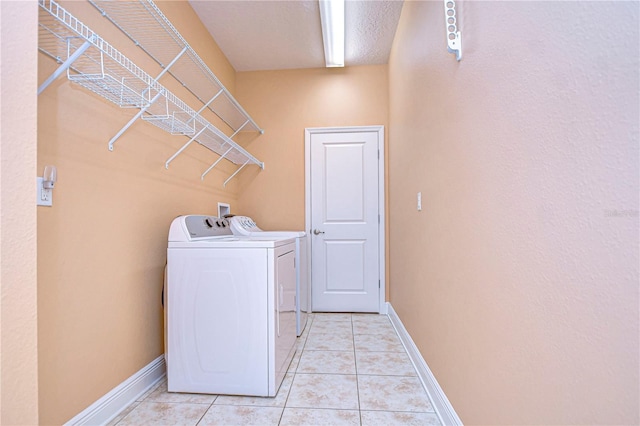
(332, 21)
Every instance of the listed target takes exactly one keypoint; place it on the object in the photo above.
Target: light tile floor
(349, 369)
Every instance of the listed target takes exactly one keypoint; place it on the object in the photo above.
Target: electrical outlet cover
(44, 197)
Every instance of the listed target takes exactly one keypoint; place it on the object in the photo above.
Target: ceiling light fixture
(332, 21)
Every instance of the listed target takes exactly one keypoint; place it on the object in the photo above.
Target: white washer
(246, 227)
(230, 309)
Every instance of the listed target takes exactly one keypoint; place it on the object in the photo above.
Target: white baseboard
(443, 407)
(120, 397)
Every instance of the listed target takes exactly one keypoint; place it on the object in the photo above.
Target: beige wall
(18, 278)
(102, 246)
(521, 290)
(519, 278)
(286, 102)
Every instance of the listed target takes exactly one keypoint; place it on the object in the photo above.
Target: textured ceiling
(268, 35)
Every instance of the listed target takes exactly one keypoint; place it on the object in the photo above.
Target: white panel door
(344, 221)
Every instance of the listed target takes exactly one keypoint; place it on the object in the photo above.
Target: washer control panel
(206, 226)
(243, 225)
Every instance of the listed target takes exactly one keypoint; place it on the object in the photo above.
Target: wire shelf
(110, 89)
(97, 66)
(217, 141)
(101, 68)
(107, 79)
(145, 24)
(176, 123)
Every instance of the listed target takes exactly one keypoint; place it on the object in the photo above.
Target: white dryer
(230, 309)
(246, 227)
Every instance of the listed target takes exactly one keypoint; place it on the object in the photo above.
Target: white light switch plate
(419, 201)
(44, 196)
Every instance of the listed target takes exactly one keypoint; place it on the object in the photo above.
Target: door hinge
(378, 154)
(378, 283)
(378, 218)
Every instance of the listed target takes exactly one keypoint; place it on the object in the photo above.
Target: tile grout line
(206, 411)
(355, 362)
(295, 372)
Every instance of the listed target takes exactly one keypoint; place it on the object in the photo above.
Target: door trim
(382, 306)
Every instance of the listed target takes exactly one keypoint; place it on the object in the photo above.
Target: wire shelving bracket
(93, 63)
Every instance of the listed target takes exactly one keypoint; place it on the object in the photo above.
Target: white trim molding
(440, 402)
(382, 305)
(120, 397)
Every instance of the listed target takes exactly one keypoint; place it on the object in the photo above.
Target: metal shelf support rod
(235, 173)
(165, 70)
(166, 165)
(135, 117)
(171, 63)
(210, 100)
(215, 163)
(64, 66)
(239, 128)
(205, 105)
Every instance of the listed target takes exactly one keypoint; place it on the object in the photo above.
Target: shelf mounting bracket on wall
(135, 117)
(454, 38)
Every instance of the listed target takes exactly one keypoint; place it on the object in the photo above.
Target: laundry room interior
(517, 278)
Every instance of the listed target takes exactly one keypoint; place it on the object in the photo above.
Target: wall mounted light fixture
(332, 21)
(49, 177)
(454, 39)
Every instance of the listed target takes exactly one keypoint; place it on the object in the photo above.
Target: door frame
(382, 308)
